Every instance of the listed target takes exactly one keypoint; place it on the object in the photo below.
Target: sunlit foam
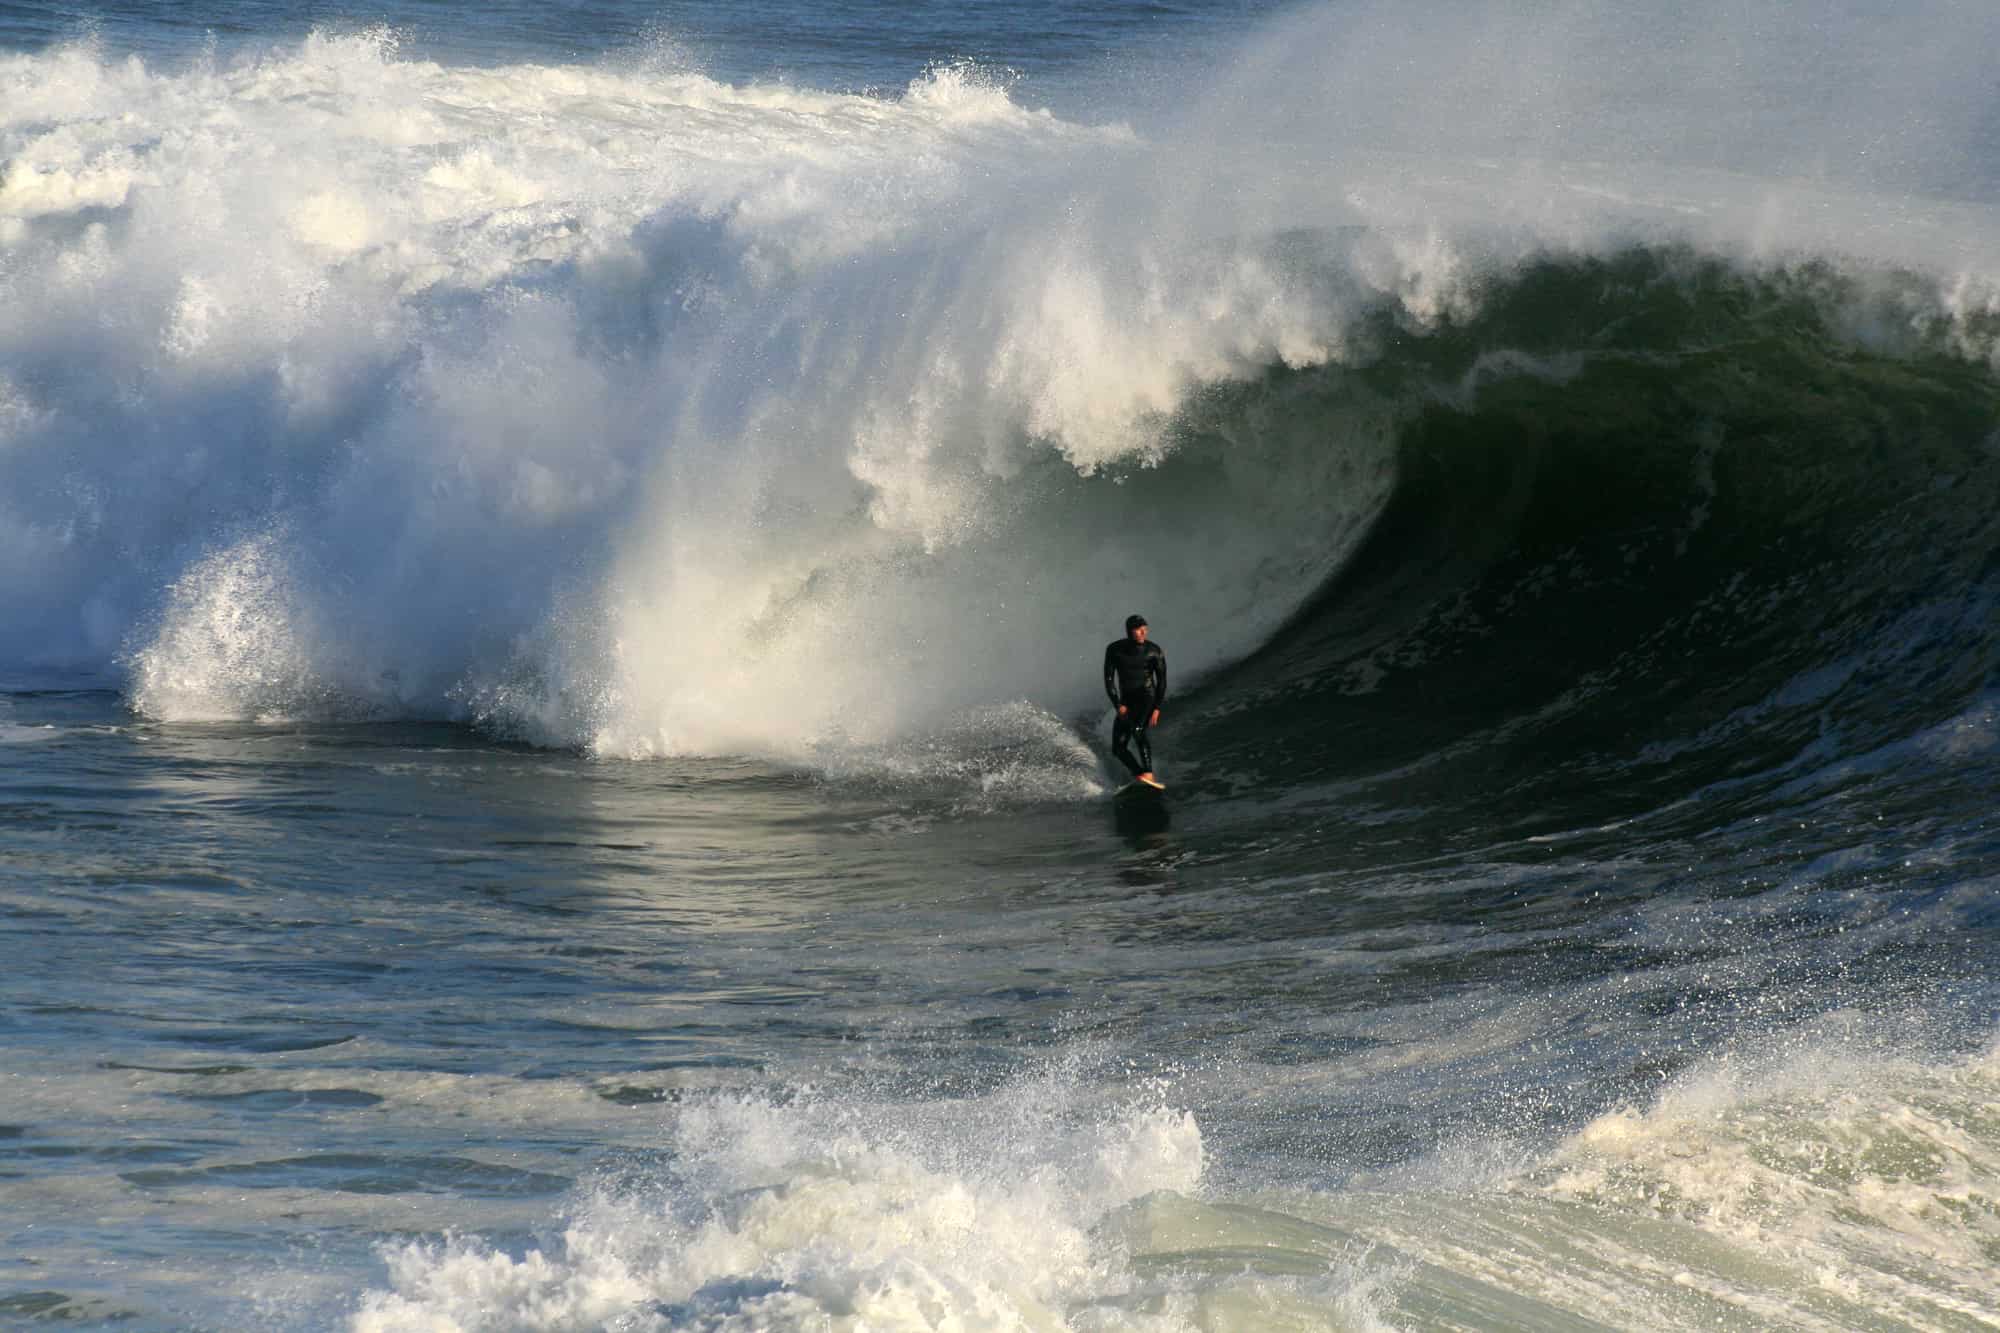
(622, 408)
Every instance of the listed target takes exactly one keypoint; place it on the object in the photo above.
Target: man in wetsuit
(1135, 677)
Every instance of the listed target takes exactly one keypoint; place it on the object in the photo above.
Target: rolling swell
(1660, 522)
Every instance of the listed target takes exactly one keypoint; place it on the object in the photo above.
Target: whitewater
(553, 563)
(735, 416)
(756, 393)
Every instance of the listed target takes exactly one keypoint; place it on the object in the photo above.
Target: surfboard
(1138, 788)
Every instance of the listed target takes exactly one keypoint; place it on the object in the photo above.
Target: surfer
(1135, 678)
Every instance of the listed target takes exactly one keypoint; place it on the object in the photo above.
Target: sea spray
(791, 1216)
(623, 408)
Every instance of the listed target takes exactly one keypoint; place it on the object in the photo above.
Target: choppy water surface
(552, 569)
(727, 1042)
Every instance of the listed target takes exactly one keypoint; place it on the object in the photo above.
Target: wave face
(1677, 523)
(620, 408)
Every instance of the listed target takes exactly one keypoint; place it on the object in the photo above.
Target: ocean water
(553, 563)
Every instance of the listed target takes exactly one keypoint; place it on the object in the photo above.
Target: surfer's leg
(1121, 734)
(1133, 727)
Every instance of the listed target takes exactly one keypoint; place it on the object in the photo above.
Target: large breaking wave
(621, 408)
(1693, 524)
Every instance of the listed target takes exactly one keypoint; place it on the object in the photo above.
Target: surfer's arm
(1110, 678)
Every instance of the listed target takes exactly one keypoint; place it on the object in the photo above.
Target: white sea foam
(1876, 1175)
(1010, 1212)
(806, 1215)
(1824, 1183)
(1825, 1179)
(624, 408)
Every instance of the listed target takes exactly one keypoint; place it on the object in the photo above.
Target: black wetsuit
(1135, 676)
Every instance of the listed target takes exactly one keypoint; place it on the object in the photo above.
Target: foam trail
(628, 409)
